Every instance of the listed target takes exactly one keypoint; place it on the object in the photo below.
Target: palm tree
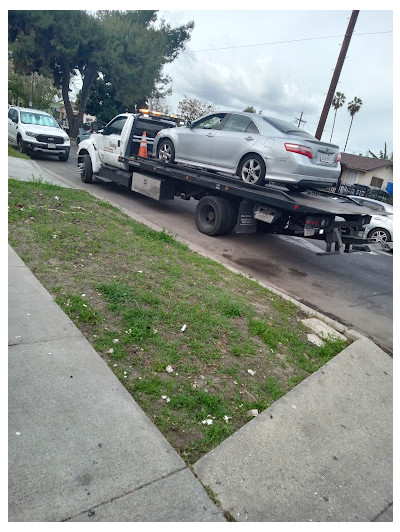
(337, 102)
(353, 108)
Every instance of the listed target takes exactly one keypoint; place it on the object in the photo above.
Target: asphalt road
(355, 289)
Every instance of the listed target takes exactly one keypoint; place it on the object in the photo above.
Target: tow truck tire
(87, 170)
(166, 151)
(214, 216)
(379, 234)
(252, 169)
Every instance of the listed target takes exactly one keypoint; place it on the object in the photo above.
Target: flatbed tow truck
(226, 203)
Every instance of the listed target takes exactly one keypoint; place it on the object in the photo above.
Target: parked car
(253, 147)
(33, 131)
(380, 228)
(85, 131)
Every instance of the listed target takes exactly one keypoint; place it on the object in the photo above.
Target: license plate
(51, 146)
(325, 158)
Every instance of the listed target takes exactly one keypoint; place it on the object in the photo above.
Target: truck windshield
(38, 119)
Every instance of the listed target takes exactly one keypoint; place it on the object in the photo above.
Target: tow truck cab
(121, 137)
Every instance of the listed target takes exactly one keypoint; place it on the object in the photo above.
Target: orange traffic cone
(143, 146)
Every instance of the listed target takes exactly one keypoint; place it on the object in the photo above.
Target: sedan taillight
(338, 157)
(297, 148)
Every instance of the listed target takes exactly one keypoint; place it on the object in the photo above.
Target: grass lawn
(12, 152)
(196, 345)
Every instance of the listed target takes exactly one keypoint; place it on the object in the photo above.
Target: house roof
(358, 162)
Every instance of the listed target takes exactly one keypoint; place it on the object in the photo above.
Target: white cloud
(281, 62)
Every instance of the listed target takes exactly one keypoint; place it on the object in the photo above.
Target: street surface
(355, 289)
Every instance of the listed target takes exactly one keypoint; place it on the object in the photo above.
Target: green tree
(353, 107)
(139, 48)
(127, 47)
(102, 102)
(382, 154)
(337, 102)
(34, 88)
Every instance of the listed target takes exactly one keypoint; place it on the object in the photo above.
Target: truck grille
(50, 140)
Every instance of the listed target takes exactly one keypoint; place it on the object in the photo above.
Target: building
(58, 109)
(360, 170)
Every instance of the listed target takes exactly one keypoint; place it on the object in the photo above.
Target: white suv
(35, 131)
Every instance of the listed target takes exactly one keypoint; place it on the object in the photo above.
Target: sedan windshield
(38, 119)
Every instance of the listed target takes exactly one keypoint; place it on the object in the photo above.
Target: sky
(281, 62)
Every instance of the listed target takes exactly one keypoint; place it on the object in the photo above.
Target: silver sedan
(253, 147)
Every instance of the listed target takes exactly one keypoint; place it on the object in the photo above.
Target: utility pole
(336, 74)
(299, 120)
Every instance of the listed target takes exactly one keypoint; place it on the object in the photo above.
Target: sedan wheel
(252, 170)
(379, 235)
(166, 151)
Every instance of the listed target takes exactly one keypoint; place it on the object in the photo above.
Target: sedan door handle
(249, 138)
(210, 135)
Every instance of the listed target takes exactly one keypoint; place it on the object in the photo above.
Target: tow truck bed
(313, 202)
(225, 203)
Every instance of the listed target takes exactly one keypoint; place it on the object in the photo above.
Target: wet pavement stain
(297, 273)
(255, 264)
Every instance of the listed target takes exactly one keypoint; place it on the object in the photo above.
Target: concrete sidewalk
(80, 448)
(323, 452)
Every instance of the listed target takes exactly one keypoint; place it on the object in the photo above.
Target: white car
(33, 131)
(380, 228)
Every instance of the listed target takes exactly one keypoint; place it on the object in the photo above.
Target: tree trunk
(90, 76)
(334, 120)
(75, 121)
(348, 133)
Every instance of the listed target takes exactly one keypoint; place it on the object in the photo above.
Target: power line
(282, 42)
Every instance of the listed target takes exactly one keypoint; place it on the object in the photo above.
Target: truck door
(111, 140)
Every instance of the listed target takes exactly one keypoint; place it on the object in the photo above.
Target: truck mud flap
(246, 223)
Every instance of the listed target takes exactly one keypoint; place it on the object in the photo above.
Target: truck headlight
(30, 134)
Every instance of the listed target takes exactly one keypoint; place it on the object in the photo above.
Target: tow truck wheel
(214, 216)
(166, 151)
(252, 170)
(87, 170)
(379, 235)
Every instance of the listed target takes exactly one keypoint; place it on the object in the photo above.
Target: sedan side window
(241, 124)
(210, 122)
